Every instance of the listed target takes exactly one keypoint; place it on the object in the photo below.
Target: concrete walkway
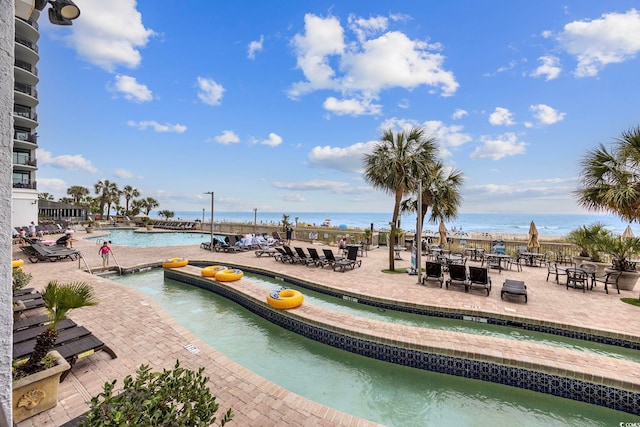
(141, 333)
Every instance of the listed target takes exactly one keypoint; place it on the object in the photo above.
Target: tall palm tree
(441, 192)
(113, 198)
(148, 204)
(59, 299)
(77, 192)
(104, 189)
(45, 196)
(394, 165)
(611, 178)
(129, 193)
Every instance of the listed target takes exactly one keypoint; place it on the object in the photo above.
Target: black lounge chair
(292, 257)
(479, 278)
(514, 287)
(433, 271)
(73, 342)
(350, 261)
(39, 252)
(266, 250)
(331, 258)
(303, 258)
(458, 276)
(319, 260)
(281, 255)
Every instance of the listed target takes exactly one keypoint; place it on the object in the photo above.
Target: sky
(272, 105)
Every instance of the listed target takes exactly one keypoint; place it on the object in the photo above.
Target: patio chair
(479, 278)
(350, 261)
(515, 288)
(458, 276)
(609, 279)
(281, 255)
(38, 252)
(552, 269)
(303, 258)
(292, 257)
(331, 258)
(319, 260)
(577, 278)
(433, 271)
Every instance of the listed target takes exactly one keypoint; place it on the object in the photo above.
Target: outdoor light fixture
(61, 12)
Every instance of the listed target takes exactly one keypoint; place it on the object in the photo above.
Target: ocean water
(494, 224)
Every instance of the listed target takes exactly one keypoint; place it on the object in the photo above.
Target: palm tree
(441, 192)
(129, 193)
(611, 178)
(45, 196)
(285, 221)
(166, 214)
(59, 299)
(148, 204)
(394, 165)
(77, 192)
(113, 198)
(68, 200)
(104, 189)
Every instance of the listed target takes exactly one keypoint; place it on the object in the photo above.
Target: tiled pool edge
(556, 385)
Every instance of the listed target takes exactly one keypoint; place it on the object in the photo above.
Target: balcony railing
(26, 161)
(25, 136)
(25, 112)
(30, 185)
(27, 43)
(26, 66)
(27, 89)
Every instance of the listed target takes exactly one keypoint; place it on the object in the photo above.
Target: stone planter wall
(627, 280)
(38, 392)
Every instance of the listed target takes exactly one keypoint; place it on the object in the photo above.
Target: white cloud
(52, 185)
(65, 161)
(273, 141)
(613, 38)
(210, 92)
(546, 115)
(346, 159)
(227, 137)
(161, 128)
(501, 116)
(125, 174)
(359, 69)
(110, 33)
(447, 136)
(333, 186)
(352, 107)
(131, 89)
(459, 113)
(497, 148)
(549, 69)
(255, 46)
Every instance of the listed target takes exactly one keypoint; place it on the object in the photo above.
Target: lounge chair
(458, 276)
(38, 252)
(479, 278)
(73, 343)
(514, 287)
(281, 255)
(292, 257)
(303, 258)
(319, 260)
(266, 250)
(433, 271)
(350, 261)
(331, 258)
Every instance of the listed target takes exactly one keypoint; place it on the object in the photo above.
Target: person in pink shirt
(104, 253)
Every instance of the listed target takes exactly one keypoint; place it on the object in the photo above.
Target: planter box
(149, 226)
(89, 229)
(38, 392)
(627, 280)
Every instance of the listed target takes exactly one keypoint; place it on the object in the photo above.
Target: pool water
(379, 391)
(132, 238)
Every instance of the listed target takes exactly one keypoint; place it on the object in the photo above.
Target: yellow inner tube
(285, 298)
(16, 263)
(229, 275)
(174, 262)
(212, 270)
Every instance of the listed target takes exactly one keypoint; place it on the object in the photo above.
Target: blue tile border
(571, 388)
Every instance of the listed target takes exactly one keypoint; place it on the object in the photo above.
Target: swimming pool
(132, 238)
(379, 391)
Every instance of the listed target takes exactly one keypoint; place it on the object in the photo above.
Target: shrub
(176, 397)
(20, 279)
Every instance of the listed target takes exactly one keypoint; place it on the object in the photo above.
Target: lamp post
(211, 192)
(418, 237)
(255, 218)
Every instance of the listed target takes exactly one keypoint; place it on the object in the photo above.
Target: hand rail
(117, 263)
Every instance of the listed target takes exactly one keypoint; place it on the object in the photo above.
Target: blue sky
(272, 105)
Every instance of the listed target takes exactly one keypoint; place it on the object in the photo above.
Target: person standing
(32, 229)
(104, 253)
(289, 235)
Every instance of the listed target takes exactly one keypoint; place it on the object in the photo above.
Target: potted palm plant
(89, 226)
(584, 238)
(621, 250)
(35, 381)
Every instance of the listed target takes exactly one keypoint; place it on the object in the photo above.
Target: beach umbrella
(628, 233)
(141, 215)
(533, 236)
(442, 231)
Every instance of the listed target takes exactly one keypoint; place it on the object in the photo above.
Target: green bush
(176, 397)
(20, 279)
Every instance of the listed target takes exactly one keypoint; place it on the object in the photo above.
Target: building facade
(24, 194)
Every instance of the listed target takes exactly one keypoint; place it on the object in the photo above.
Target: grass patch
(401, 271)
(632, 301)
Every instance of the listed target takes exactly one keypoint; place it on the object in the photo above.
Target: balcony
(24, 42)
(24, 116)
(27, 185)
(31, 162)
(24, 136)
(25, 94)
